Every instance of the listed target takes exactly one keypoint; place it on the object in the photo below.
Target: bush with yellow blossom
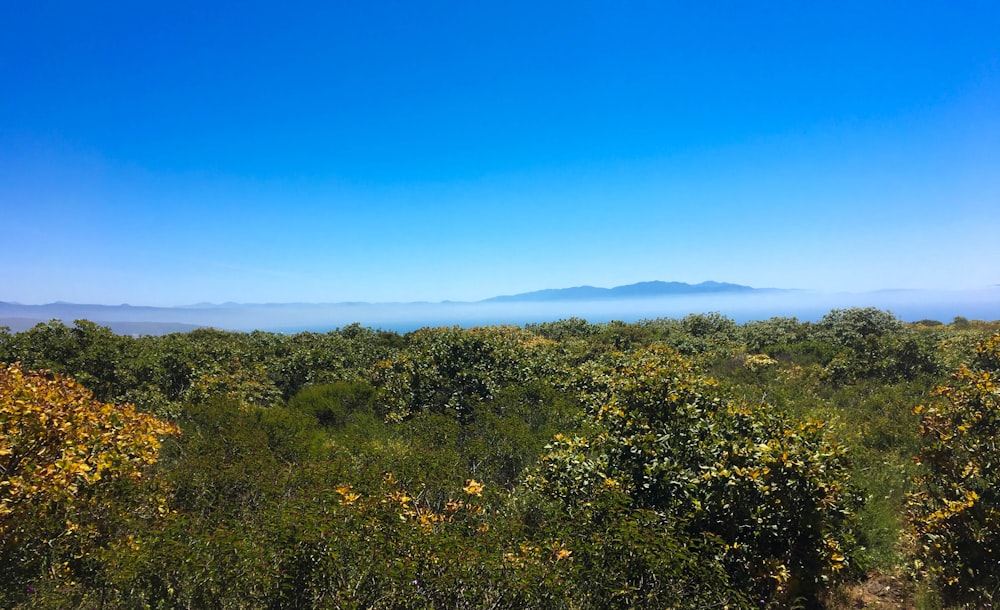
(65, 458)
(955, 508)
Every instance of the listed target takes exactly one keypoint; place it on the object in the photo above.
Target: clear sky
(173, 152)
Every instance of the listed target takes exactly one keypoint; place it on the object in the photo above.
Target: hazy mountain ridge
(651, 289)
(134, 320)
(643, 300)
(640, 289)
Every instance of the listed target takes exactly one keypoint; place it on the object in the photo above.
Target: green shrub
(804, 353)
(776, 493)
(333, 403)
(898, 356)
(451, 370)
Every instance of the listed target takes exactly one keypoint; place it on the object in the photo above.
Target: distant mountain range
(138, 320)
(631, 291)
(643, 300)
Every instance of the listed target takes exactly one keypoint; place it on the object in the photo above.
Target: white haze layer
(907, 305)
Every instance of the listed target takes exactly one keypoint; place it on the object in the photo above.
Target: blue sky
(165, 153)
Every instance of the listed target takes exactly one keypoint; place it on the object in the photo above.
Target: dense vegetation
(686, 463)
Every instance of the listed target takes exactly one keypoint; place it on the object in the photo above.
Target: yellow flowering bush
(954, 509)
(56, 440)
(62, 456)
